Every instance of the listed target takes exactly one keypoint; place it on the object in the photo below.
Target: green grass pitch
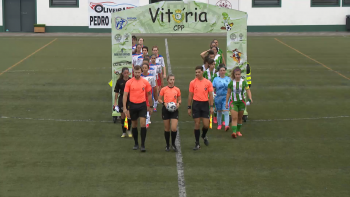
(296, 141)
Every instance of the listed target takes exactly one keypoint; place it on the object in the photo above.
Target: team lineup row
(137, 95)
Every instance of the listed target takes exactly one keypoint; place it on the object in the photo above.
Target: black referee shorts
(200, 109)
(120, 104)
(166, 115)
(137, 110)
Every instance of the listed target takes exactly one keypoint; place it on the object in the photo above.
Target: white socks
(227, 118)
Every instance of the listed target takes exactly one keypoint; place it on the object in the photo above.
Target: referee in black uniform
(119, 90)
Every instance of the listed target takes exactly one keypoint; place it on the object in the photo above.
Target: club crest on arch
(178, 16)
(120, 23)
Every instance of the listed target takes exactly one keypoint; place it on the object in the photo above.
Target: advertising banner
(230, 4)
(178, 17)
(100, 11)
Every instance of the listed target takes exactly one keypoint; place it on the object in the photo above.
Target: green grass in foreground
(68, 80)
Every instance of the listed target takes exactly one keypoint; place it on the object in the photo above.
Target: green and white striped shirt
(237, 89)
(209, 75)
(218, 60)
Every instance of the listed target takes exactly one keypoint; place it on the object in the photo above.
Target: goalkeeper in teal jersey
(211, 74)
(220, 84)
(217, 73)
(235, 91)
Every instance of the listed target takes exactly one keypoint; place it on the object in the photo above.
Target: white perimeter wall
(292, 12)
(52, 16)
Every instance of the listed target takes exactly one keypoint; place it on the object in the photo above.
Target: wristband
(188, 107)
(211, 105)
(151, 106)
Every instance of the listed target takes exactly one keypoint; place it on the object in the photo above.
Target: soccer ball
(228, 27)
(171, 107)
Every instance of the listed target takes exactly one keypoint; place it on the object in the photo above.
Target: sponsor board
(100, 11)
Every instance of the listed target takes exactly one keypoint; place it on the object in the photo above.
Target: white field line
(179, 163)
(182, 122)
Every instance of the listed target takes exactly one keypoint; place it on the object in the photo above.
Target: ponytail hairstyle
(121, 74)
(134, 52)
(222, 66)
(210, 61)
(146, 65)
(211, 52)
(236, 69)
(217, 50)
(170, 75)
(206, 59)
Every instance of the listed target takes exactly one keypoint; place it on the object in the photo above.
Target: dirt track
(175, 35)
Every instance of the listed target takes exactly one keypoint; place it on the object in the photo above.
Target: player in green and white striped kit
(236, 90)
(213, 54)
(217, 57)
(220, 51)
(210, 73)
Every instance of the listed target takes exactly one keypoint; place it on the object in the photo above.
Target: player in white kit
(151, 79)
(158, 70)
(160, 61)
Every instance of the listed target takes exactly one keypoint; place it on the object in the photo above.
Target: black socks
(135, 134)
(197, 133)
(129, 124)
(167, 137)
(143, 135)
(204, 132)
(173, 137)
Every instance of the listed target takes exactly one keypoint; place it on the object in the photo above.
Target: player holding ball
(170, 113)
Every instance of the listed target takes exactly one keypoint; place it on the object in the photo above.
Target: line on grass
(49, 119)
(179, 162)
(182, 122)
(9, 68)
(57, 69)
(181, 67)
(311, 59)
(295, 119)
